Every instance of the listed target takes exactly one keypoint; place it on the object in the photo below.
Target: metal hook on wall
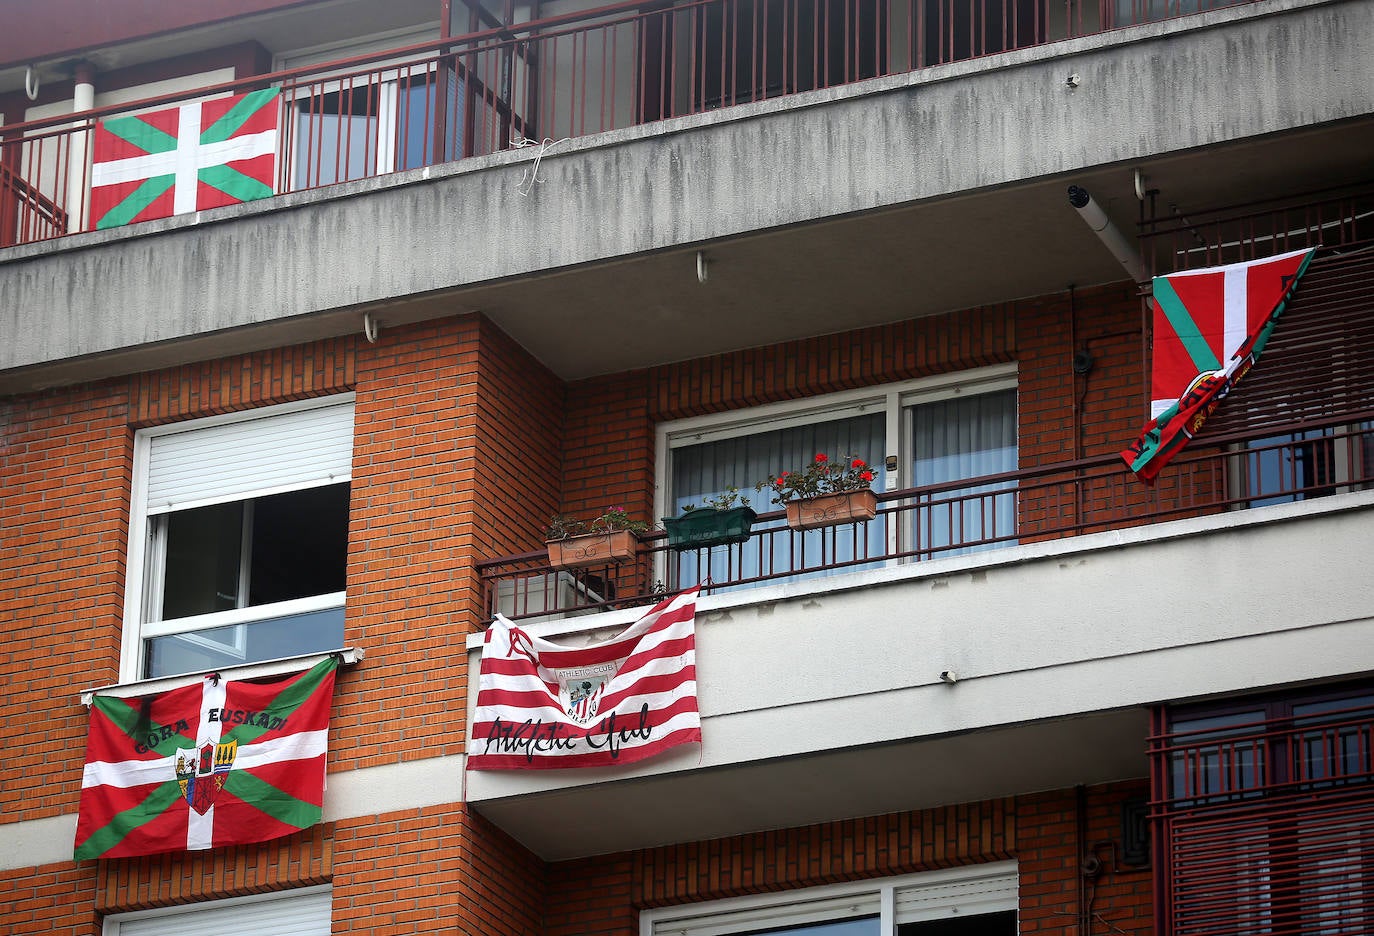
(31, 83)
(702, 271)
(370, 327)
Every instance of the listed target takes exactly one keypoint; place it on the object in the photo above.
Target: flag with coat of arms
(1210, 327)
(202, 766)
(543, 705)
(200, 155)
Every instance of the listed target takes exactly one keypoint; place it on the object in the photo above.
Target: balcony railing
(1284, 463)
(1336, 220)
(1264, 826)
(559, 77)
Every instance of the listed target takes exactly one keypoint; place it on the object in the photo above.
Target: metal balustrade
(1280, 463)
(558, 77)
(1262, 822)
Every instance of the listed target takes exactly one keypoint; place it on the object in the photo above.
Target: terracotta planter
(592, 549)
(705, 527)
(831, 509)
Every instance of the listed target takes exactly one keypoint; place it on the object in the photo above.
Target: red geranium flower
(858, 463)
(820, 457)
(866, 476)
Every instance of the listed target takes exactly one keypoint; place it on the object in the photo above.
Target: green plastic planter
(703, 527)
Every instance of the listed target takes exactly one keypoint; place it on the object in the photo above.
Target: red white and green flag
(200, 155)
(545, 706)
(1210, 326)
(207, 765)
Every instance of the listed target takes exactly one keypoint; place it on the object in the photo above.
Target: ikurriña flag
(541, 705)
(183, 159)
(1210, 326)
(207, 765)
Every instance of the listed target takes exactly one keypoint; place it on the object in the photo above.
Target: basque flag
(542, 706)
(200, 155)
(1210, 326)
(207, 765)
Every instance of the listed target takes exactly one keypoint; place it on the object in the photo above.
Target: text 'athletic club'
(542, 705)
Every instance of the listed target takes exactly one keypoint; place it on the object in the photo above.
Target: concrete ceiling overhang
(303, 25)
(693, 805)
(923, 259)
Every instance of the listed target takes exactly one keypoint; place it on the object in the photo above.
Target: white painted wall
(1048, 631)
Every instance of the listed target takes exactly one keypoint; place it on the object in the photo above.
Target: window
(974, 901)
(933, 433)
(240, 528)
(1295, 466)
(302, 912)
(381, 119)
(371, 124)
(1267, 819)
(749, 50)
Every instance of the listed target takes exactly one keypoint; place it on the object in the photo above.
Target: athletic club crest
(580, 690)
(202, 770)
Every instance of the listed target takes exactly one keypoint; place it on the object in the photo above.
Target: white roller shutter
(289, 914)
(994, 891)
(278, 449)
(797, 912)
(913, 898)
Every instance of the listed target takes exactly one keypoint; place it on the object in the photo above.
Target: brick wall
(611, 420)
(53, 899)
(64, 487)
(602, 896)
(1062, 416)
(447, 409)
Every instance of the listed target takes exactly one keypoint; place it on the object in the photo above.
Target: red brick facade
(464, 445)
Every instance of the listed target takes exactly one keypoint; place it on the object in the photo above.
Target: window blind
(279, 915)
(276, 451)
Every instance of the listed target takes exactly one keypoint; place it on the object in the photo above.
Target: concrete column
(79, 157)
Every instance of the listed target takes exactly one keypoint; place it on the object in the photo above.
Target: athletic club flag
(1210, 326)
(212, 764)
(188, 158)
(542, 706)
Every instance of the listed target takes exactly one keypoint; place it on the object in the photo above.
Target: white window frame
(388, 102)
(144, 568)
(929, 895)
(894, 398)
(114, 924)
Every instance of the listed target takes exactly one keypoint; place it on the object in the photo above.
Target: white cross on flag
(200, 155)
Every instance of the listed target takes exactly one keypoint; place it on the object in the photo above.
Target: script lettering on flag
(541, 705)
(200, 155)
(202, 766)
(1210, 327)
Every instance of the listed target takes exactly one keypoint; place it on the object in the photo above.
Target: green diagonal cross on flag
(200, 155)
(1210, 326)
(202, 766)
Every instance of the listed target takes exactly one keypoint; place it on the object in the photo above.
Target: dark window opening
(954, 30)
(983, 924)
(296, 547)
(750, 50)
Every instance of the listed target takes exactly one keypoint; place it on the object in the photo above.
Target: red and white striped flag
(542, 706)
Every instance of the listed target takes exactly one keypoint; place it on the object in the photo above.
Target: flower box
(809, 513)
(591, 549)
(705, 527)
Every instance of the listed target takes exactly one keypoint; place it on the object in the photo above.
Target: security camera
(1072, 81)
